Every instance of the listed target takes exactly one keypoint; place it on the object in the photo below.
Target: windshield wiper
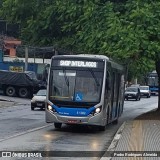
(65, 77)
(95, 78)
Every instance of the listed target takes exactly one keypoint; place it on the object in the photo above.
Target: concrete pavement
(5, 102)
(137, 139)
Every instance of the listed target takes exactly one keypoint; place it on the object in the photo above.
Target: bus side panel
(122, 90)
(117, 94)
(108, 92)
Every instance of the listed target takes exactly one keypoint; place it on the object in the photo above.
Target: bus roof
(153, 74)
(95, 56)
(102, 57)
(154, 71)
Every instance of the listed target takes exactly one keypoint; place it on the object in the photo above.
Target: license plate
(129, 96)
(72, 121)
(39, 104)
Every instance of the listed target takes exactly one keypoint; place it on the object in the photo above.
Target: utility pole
(55, 52)
(26, 58)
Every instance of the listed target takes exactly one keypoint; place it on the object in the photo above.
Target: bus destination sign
(70, 63)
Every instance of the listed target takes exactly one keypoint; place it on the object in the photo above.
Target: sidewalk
(5, 102)
(137, 140)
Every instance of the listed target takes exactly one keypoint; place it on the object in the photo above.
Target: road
(26, 130)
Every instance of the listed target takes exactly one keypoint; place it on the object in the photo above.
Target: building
(14, 57)
(9, 46)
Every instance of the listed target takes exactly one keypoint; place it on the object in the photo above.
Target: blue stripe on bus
(79, 112)
(154, 89)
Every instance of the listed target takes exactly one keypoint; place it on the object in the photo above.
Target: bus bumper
(89, 120)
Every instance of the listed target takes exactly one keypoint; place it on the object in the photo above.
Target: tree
(38, 20)
(143, 16)
(128, 31)
(105, 27)
(125, 30)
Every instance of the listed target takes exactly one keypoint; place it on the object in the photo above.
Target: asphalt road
(24, 130)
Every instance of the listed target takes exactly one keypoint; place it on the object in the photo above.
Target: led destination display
(78, 63)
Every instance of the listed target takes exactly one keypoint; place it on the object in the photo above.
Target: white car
(145, 91)
(38, 101)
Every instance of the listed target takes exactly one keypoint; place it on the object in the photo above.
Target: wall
(6, 65)
(37, 65)
(30, 60)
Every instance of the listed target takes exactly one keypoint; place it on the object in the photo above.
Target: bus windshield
(75, 85)
(153, 81)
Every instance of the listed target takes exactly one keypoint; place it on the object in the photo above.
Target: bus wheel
(102, 128)
(57, 125)
(115, 121)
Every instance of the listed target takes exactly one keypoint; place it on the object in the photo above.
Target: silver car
(145, 91)
(38, 101)
(132, 93)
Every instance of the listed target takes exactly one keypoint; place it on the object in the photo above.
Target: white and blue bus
(152, 82)
(84, 89)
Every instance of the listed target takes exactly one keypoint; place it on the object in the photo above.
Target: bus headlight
(96, 111)
(49, 107)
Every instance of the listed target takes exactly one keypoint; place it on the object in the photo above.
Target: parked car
(132, 93)
(145, 91)
(38, 101)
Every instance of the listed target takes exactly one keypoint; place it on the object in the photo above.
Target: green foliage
(125, 30)
(37, 18)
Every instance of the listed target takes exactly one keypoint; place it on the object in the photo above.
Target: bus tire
(57, 125)
(102, 128)
(115, 122)
(23, 92)
(10, 91)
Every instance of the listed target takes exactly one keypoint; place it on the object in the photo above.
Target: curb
(6, 100)
(114, 142)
